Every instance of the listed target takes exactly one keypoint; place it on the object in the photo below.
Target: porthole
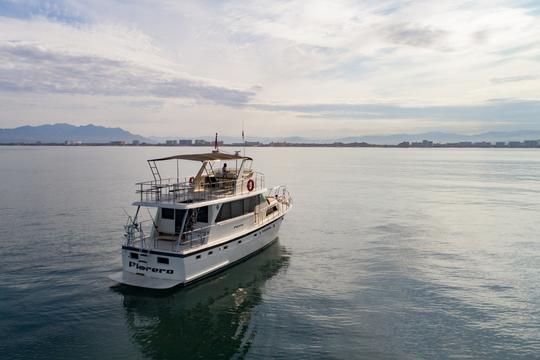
(198, 257)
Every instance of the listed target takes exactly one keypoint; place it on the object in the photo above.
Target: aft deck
(143, 236)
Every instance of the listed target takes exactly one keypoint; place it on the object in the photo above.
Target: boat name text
(148, 268)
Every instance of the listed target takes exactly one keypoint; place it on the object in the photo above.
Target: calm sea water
(388, 254)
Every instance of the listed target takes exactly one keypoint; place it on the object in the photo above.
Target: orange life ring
(250, 185)
(191, 179)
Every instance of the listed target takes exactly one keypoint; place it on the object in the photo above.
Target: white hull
(150, 270)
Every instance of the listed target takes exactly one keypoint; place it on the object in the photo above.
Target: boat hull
(163, 270)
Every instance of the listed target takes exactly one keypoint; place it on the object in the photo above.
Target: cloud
(35, 70)
(414, 35)
(495, 110)
(510, 79)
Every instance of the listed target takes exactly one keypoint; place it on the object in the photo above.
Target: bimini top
(213, 156)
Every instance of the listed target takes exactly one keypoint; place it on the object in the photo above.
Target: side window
(250, 203)
(237, 208)
(224, 212)
(271, 210)
(202, 214)
(167, 213)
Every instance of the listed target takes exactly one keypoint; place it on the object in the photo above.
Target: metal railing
(172, 190)
(284, 203)
(136, 232)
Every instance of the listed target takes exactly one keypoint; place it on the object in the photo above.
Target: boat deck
(175, 191)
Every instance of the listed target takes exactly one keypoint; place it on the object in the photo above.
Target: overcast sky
(308, 68)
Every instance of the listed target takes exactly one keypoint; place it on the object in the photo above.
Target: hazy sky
(311, 68)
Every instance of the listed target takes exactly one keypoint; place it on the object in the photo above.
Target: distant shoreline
(424, 144)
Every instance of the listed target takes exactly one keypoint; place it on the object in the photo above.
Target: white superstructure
(203, 224)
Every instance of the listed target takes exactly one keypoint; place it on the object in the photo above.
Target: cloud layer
(283, 67)
(33, 70)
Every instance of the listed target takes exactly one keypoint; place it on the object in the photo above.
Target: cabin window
(134, 255)
(210, 252)
(224, 212)
(167, 213)
(270, 211)
(202, 215)
(163, 260)
(250, 203)
(237, 208)
(198, 257)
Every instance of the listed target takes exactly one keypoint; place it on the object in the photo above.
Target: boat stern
(142, 268)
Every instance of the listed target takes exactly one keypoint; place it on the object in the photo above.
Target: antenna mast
(243, 138)
(216, 149)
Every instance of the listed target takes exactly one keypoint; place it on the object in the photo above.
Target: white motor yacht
(201, 224)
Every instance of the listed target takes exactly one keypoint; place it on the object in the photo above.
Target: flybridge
(211, 181)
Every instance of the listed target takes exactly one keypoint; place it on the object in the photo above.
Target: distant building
(118, 142)
(500, 144)
(515, 144)
(404, 144)
(482, 144)
(531, 143)
(248, 143)
(206, 143)
(171, 142)
(185, 142)
(135, 142)
(424, 143)
(73, 142)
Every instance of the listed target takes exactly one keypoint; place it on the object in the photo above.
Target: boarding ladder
(155, 171)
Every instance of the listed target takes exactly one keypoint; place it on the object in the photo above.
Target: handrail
(172, 190)
(199, 237)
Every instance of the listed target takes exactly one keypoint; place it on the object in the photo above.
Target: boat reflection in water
(209, 319)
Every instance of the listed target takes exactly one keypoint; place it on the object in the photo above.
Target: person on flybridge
(224, 170)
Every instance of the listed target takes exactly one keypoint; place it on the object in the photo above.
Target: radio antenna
(243, 138)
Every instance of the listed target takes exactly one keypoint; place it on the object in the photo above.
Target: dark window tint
(202, 214)
(237, 208)
(134, 255)
(198, 257)
(271, 210)
(167, 213)
(224, 212)
(179, 219)
(250, 203)
(162, 260)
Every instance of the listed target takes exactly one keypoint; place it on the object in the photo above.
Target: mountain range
(59, 133)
